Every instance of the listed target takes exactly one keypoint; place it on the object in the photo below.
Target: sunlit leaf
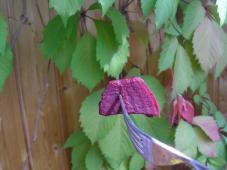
(84, 66)
(205, 145)
(207, 43)
(66, 8)
(136, 162)
(158, 128)
(75, 139)
(194, 14)
(60, 47)
(6, 65)
(147, 6)
(173, 28)
(106, 4)
(182, 71)
(94, 158)
(119, 24)
(168, 53)
(222, 10)
(208, 125)
(111, 55)
(94, 125)
(3, 35)
(186, 139)
(52, 40)
(116, 145)
(164, 11)
(79, 152)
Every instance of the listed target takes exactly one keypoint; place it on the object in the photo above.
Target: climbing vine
(186, 41)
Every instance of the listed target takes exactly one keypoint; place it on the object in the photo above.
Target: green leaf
(172, 28)
(95, 6)
(221, 149)
(84, 66)
(3, 35)
(60, 47)
(119, 24)
(182, 71)
(186, 139)
(217, 162)
(147, 6)
(79, 152)
(106, 4)
(94, 125)
(158, 128)
(94, 159)
(157, 89)
(208, 125)
(111, 55)
(52, 40)
(116, 145)
(114, 165)
(205, 145)
(63, 56)
(124, 165)
(199, 76)
(164, 11)
(136, 162)
(221, 64)
(75, 139)
(194, 13)
(133, 72)
(222, 10)
(66, 8)
(208, 44)
(6, 65)
(168, 53)
(220, 119)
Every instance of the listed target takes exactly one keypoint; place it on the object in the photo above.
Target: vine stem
(41, 99)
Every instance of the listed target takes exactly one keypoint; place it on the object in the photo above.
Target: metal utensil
(148, 146)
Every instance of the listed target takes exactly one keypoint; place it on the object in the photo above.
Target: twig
(40, 105)
(127, 4)
(91, 18)
(39, 13)
(41, 100)
(15, 36)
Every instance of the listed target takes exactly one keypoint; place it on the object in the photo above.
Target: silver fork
(148, 146)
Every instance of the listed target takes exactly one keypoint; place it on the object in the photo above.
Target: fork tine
(137, 141)
(133, 132)
(138, 137)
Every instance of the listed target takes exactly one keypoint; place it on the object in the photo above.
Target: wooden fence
(31, 81)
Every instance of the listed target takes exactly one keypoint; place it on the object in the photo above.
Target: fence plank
(60, 113)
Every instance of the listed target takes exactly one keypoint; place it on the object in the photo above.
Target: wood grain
(60, 113)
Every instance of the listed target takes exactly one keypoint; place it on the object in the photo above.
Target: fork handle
(197, 165)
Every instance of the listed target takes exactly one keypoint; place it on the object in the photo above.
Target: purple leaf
(137, 97)
(182, 109)
(208, 125)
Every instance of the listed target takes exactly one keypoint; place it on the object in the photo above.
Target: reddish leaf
(207, 43)
(137, 97)
(208, 125)
(182, 108)
(205, 145)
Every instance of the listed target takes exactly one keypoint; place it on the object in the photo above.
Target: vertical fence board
(60, 113)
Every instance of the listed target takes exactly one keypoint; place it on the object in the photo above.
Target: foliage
(193, 45)
(6, 56)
